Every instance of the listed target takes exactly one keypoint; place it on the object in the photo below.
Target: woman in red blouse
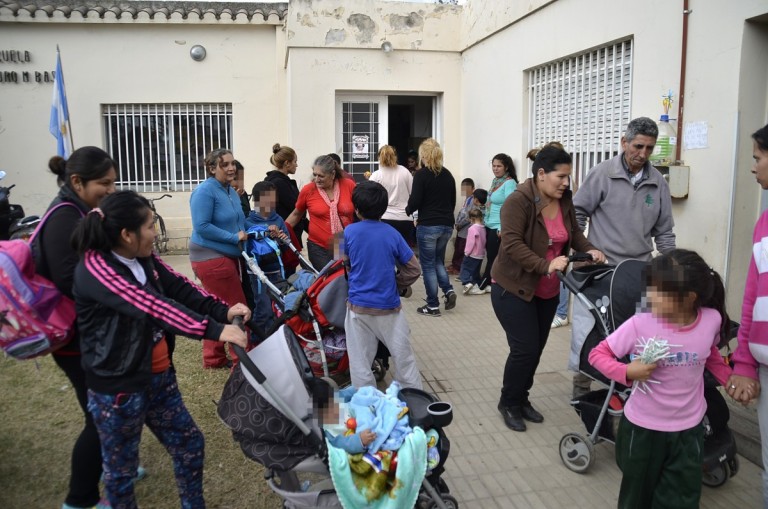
(328, 199)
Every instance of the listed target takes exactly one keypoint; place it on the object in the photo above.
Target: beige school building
(158, 84)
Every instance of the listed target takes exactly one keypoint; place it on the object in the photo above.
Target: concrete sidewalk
(461, 356)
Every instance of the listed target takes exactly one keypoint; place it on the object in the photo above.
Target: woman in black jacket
(85, 178)
(285, 162)
(433, 197)
(130, 306)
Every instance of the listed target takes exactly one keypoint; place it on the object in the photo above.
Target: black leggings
(491, 250)
(527, 327)
(86, 454)
(405, 228)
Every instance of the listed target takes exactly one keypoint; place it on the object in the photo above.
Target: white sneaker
(559, 322)
(476, 290)
(468, 287)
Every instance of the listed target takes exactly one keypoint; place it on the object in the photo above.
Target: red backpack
(35, 317)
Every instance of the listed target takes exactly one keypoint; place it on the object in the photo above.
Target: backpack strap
(48, 214)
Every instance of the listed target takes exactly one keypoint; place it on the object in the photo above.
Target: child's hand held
(637, 370)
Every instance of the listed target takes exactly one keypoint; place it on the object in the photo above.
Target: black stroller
(266, 404)
(605, 297)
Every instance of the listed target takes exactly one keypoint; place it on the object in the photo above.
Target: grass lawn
(40, 420)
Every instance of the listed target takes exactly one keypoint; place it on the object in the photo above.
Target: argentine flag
(59, 125)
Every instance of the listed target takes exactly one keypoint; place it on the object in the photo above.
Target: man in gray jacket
(628, 205)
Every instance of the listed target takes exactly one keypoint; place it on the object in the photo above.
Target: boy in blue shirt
(374, 251)
(264, 197)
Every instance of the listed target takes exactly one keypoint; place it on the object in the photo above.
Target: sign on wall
(14, 68)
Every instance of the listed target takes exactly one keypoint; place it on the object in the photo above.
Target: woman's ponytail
(101, 228)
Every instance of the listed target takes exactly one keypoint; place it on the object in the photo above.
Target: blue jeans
(470, 270)
(562, 308)
(432, 241)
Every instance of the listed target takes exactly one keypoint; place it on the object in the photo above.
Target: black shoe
(530, 414)
(428, 311)
(406, 292)
(450, 300)
(513, 417)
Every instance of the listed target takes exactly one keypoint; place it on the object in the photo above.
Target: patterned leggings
(120, 418)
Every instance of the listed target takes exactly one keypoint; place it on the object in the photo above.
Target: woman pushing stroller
(130, 305)
(660, 440)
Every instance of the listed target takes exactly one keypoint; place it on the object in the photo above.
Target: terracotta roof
(154, 8)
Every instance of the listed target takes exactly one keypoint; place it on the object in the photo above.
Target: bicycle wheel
(161, 235)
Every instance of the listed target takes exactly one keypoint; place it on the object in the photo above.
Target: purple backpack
(35, 317)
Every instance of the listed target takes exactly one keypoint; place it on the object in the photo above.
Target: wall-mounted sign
(360, 147)
(11, 75)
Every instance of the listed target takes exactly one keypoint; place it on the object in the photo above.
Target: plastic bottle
(666, 144)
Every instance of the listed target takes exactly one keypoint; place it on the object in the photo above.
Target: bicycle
(161, 234)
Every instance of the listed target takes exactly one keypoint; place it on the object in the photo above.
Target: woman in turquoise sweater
(218, 225)
(504, 183)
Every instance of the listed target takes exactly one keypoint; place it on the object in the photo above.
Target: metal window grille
(360, 136)
(583, 102)
(162, 147)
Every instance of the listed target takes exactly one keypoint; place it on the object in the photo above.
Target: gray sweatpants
(363, 335)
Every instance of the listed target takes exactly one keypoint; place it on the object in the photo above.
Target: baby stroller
(606, 296)
(266, 404)
(312, 303)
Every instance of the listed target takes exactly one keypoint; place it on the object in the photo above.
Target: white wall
(495, 68)
(137, 63)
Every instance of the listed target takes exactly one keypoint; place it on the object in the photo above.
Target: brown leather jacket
(524, 240)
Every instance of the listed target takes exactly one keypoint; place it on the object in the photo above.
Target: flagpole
(69, 115)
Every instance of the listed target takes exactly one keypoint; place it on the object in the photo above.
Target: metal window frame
(583, 101)
(161, 147)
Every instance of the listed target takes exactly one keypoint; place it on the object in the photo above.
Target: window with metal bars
(582, 101)
(361, 137)
(162, 147)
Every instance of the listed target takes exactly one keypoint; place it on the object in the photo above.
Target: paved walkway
(461, 355)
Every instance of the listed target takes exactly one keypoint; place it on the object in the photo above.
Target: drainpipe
(683, 60)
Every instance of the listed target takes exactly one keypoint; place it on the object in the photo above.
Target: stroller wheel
(717, 476)
(448, 500)
(379, 371)
(577, 452)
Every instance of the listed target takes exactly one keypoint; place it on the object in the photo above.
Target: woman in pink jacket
(750, 360)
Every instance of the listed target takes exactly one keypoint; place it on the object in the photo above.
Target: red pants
(220, 277)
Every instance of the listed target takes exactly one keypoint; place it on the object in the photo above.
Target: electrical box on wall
(678, 178)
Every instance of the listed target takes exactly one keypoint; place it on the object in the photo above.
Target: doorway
(366, 122)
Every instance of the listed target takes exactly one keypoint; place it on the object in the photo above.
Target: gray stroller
(267, 406)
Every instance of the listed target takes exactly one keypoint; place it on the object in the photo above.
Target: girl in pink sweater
(660, 439)
(750, 360)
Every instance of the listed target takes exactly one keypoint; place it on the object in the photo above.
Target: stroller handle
(574, 257)
(242, 355)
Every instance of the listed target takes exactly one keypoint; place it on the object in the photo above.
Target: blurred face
(322, 179)
(637, 151)
(467, 190)
(266, 201)
(139, 244)
(669, 306)
(760, 168)
(498, 168)
(239, 181)
(93, 191)
(412, 165)
(225, 171)
(555, 183)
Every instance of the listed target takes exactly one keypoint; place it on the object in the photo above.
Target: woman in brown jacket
(538, 229)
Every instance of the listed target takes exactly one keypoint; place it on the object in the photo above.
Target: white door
(361, 129)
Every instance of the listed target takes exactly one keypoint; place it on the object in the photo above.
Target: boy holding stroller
(374, 250)
(264, 197)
